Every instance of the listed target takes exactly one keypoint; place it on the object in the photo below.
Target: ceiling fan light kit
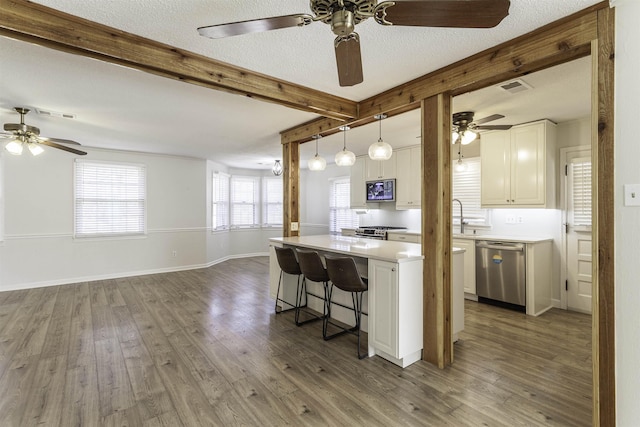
(345, 157)
(317, 163)
(23, 134)
(380, 150)
(465, 129)
(14, 147)
(344, 15)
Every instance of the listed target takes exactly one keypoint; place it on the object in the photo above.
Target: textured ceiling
(121, 108)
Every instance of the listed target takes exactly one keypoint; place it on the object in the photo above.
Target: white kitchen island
(394, 301)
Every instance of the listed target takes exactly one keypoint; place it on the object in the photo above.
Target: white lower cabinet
(469, 246)
(395, 334)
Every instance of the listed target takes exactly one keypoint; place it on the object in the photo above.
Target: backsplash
(504, 222)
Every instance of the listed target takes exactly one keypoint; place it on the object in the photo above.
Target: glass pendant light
(317, 163)
(14, 147)
(345, 157)
(277, 168)
(380, 150)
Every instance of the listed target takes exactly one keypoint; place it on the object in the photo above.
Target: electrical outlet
(632, 194)
(511, 219)
(519, 220)
(175, 253)
(294, 226)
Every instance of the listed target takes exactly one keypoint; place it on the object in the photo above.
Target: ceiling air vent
(514, 86)
(55, 114)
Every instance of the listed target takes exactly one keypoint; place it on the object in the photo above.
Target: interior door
(578, 229)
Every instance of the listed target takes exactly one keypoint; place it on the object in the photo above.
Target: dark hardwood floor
(204, 347)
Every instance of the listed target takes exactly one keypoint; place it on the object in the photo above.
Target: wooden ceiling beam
(34, 23)
(559, 42)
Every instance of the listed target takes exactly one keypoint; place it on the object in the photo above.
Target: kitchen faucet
(461, 216)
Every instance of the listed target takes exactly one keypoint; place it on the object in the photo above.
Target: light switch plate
(632, 194)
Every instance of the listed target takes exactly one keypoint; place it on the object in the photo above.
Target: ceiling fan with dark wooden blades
(344, 15)
(465, 128)
(22, 134)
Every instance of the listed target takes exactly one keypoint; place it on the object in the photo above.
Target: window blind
(245, 194)
(110, 199)
(466, 188)
(220, 201)
(340, 215)
(581, 188)
(272, 195)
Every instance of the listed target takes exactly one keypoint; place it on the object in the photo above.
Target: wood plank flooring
(204, 347)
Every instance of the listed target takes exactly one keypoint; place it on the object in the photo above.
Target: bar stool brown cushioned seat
(344, 275)
(313, 269)
(289, 265)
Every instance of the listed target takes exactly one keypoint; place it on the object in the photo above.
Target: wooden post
(602, 150)
(436, 229)
(291, 189)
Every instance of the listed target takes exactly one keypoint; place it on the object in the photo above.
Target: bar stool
(289, 264)
(344, 275)
(313, 269)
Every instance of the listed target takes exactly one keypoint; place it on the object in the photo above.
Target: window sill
(104, 238)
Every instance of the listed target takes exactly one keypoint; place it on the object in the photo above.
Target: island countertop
(382, 250)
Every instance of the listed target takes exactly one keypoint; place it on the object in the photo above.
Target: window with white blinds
(220, 201)
(466, 188)
(245, 201)
(272, 213)
(110, 199)
(340, 216)
(580, 179)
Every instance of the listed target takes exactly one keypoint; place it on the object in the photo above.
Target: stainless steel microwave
(381, 190)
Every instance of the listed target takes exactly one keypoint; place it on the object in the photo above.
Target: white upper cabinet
(380, 169)
(357, 185)
(517, 166)
(408, 175)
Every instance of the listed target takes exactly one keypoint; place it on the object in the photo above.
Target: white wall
(314, 198)
(627, 219)
(39, 248)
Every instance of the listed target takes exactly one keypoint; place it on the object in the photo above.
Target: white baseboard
(70, 281)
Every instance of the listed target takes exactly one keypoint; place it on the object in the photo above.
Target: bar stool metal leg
(344, 275)
(313, 270)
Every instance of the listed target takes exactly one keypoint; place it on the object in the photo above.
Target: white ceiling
(121, 108)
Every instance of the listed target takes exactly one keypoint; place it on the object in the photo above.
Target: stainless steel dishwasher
(500, 272)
